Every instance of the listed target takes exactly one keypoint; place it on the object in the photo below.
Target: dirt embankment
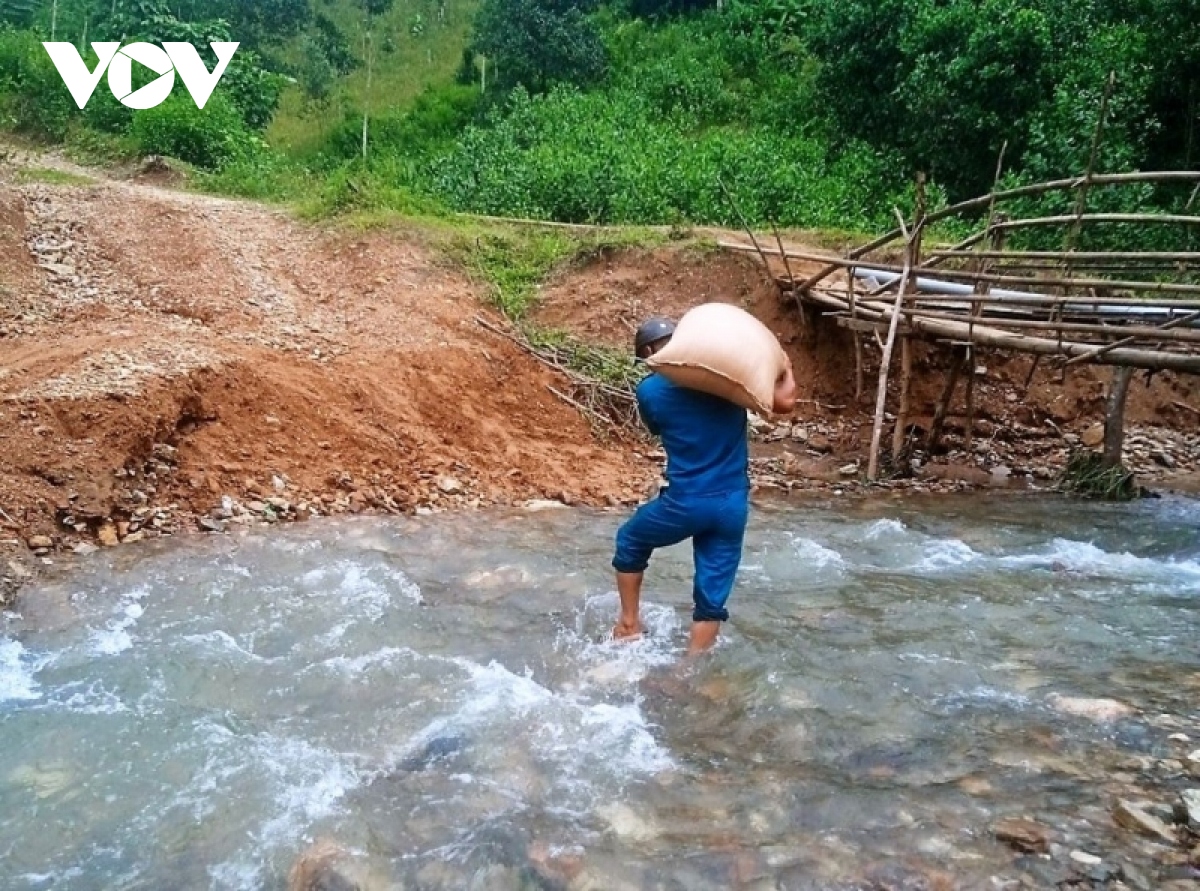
(172, 361)
(1020, 433)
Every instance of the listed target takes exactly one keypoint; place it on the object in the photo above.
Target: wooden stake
(1114, 417)
(787, 264)
(914, 256)
(858, 346)
(969, 435)
(885, 363)
(369, 52)
(901, 428)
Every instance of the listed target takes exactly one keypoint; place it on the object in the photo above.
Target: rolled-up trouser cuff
(710, 615)
(627, 566)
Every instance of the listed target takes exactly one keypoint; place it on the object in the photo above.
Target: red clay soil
(163, 351)
(605, 299)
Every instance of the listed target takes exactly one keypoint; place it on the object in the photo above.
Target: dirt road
(168, 358)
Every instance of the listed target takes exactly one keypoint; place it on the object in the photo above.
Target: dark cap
(652, 331)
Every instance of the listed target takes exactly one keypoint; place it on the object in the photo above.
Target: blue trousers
(717, 527)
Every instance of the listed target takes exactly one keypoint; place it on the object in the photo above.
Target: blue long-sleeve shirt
(704, 437)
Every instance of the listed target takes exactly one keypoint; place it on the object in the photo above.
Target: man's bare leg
(629, 586)
(704, 636)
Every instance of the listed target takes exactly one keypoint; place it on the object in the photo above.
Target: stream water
(436, 696)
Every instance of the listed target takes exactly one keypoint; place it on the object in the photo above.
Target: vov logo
(165, 61)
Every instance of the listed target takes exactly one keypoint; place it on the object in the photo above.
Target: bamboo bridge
(1000, 287)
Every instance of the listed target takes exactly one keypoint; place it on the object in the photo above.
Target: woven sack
(722, 350)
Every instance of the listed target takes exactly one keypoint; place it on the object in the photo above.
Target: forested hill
(811, 112)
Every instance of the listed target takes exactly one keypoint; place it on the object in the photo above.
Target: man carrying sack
(706, 373)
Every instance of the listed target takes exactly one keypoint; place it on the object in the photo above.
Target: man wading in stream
(707, 498)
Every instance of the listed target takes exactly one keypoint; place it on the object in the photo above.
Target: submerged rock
(1136, 817)
(1188, 810)
(440, 748)
(1133, 877)
(1100, 710)
(326, 866)
(627, 824)
(1023, 834)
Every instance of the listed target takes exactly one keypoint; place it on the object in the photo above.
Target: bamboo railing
(1125, 308)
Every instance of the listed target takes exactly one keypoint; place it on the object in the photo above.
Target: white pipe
(883, 277)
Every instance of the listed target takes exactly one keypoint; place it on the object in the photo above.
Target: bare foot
(627, 631)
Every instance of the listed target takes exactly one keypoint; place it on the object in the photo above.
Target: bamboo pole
(881, 395)
(1072, 236)
(745, 225)
(1139, 218)
(913, 254)
(1058, 256)
(1073, 230)
(782, 253)
(1078, 329)
(787, 264)
(1174, 323)
(900, 429)
(1018, 192)
(1148, 271)
(858, 347)
(986, 335)
(969, 431)
(1138, 332)
(969, 277)
(1029, 191)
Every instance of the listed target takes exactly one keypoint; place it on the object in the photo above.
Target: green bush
(209, 138)
(263, 175)
(435, 119)
(613, 158)
(379, 187)
(33, 98)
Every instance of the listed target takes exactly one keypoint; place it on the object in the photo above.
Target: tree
(371, 9)
(537, 43)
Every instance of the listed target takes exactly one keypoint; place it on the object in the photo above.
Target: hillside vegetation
(814, 113)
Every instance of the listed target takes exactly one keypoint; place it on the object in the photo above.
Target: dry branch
(615, 406)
